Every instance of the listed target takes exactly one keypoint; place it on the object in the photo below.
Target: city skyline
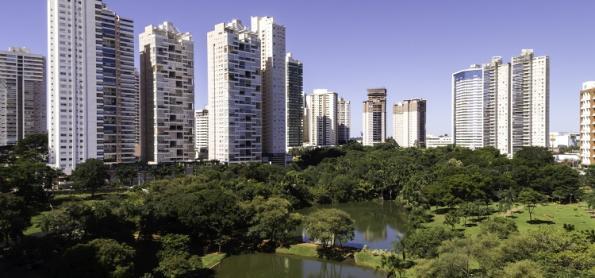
(412, 51)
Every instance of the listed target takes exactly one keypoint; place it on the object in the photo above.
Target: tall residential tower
(343, 121)
(294, 102)
(201, 131)
(467, 110)
(322, 117)
(91, 87)
(22, 95)
(530, 93)
(409, 123)
(235, 94)
(273, 68)
(587, 123)
(374, 124)
(167, 94)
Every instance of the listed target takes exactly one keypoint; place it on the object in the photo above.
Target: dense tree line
(169, 222)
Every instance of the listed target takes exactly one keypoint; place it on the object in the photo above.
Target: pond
(272, 265)
(377, 223)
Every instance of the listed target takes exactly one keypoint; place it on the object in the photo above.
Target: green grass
(302, 249)
(213, 259)
(551, 214)
(368, 258)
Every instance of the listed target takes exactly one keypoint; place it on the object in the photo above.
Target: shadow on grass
(335, 253)
(442, 210)
(539, 221)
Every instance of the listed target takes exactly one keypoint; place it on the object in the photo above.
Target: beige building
(409, 123)
(587, 123)
(322, 117)
(374, 125)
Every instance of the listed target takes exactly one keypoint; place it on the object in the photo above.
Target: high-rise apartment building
(273, 69)
(294, 102)
(118, 113)
(496, 129)
(505, 106)
(374, 125)
(343, 121)
(587, 123)
(22, 95)
(235, 94)
(468, 111)
(409, 123)
(307, 118)
(323, 118)
(201, 131)
(530, 90)
(90, 84)
(167, 94)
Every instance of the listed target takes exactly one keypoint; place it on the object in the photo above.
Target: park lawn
(367, 258)
(212, 259)
(34, 227)
(301, 249)
(557, 215)
(553, 214)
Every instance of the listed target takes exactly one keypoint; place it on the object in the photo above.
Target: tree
(530, 198)
(97, 258)
(179, 266)
(14, 217)
(89, 175)
(523, 269)
(330, 226)
(451, 219)
(561, 181)
(534, 156)
(33, 147)
(126, 173)
(175, 259)
(423, 243)
(449, 265)
(393, 264)
(500, 226)
(271, 218)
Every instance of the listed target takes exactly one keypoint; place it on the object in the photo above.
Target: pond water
(272, 265)
(377, 223)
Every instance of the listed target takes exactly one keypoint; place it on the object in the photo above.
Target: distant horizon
(411, 49)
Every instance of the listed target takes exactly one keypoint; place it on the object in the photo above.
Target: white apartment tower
(468, 107)
(91, 86)
(307, 118)
(409, 123)
(273, 68)
(235, 95)
(22, 95)
(343, 121)
(201, 130)
(374, 126)
(530, 90)
(167, 94)
(294, 102)
(496, 77)
(323, 118)
(587, 123)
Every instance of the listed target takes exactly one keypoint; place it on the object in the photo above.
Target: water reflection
(271, 265)
(377, 223)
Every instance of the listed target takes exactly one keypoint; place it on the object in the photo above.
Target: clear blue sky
(409, 47)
